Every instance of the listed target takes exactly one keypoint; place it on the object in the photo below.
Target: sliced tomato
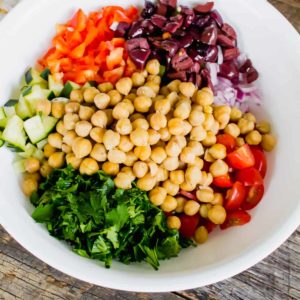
(188, 195)
(188, 224)
(114, 58)
(236, 218)
(235, 196)
(254, 196)
(209, 225)
(223, 181)
(241, 158)
(260, 161)
(249, 177)
(227, 140)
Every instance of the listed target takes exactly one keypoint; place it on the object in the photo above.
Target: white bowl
(274, 46)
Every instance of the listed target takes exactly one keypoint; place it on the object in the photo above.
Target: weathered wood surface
(22, 276)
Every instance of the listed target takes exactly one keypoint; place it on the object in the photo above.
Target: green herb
(103, 222)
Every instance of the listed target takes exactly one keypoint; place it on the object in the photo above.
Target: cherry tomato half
(235, 196)
(188, 195)
(260, 161)
(209, 225)
(254, 196)
(249, 177)
(241, 158)
(227, 140)
(223, 181)
(188, 224)
(236, 218)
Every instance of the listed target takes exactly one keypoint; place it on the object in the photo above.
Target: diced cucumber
(23, 109)
(1, 141)
(32, 77)
(38, 154)
(9, 111)
(2, 113)
(49, 124)
(29, 150)
(42, 143)
(11, 102)
(26, 90)
(36, 94)
(19, 166)
(68, 88)
(56, 86)
(3, 122)
(51, 95)
(44, 74)
(14, 132)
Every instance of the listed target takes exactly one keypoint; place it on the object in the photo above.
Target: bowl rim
(189, 281)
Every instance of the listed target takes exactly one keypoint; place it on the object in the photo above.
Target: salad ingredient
(236, 218)
(253, 138)
(260, 161)
(223, 181)
(241, 158)
(103, 222)
(268, 142)
(249, 177)
(201, 235)
(235, 196)
(188, 225)
(217, 214)
(254, 196)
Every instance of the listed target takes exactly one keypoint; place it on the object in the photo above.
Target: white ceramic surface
(274, 46)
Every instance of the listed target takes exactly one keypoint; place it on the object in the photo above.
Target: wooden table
(22, 276)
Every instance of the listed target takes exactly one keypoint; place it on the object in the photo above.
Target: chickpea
(32, 165)
(173, 222)
(123, 181)
(36, 176)
(201, 235)
(171, 163)
(218, 168)
(197, 147)
(111, 139)
(153, 168)
(204, 208)
(99, 153)
(29, 186)
(217, 151)
(81, 147)
(162, 106)
(208, 121)
(235, 114)
(232, 129)
(263, 127)
(175, 126)
(205, 195)
(145, 91)
(124, 85)
(193, 175)
(187, 89)
(209, 140)
(173, 86)
(206, 180)
(268, 142)
(217, 214)
(187, 128)
(116, 156)
(139, 137)
(171, 188)
(120, 111)
(154, 86)
(215, 128)
(83, 128)
(154, 78)
(97, 134)
(69, 137)
(191, 207)
(153, 66)
(142, 104)
(180, 204)
(196, 117)
(154, 136)
(115, 97)
(250, 117)
(76, 96)
(109, 116)
(56, 160)
(146, 183)
(187, 155)
(137, 79)
(162, 174)
(130, 159)
(72, 107)
(129, 172)
(45, 169)
(164, 91)
(158, 121)
(55, 140)
(85, 112)
(140, 169)
(110, 168)
(204, 97)
(72, 160)
(125, 144)
(124, 126)
(101, 100)
(164, 134)
(158, 155)
(58, 109)
(88, 166)
(198, 134)
(218, 199)
(187, 186)
(60, 128)
(245, 125)
(105, 87)
(177, 177)
(140, 123)
(136, 116)
(48, 150)
(158, 195)
(223, 119)
(142, 152)
(169, 204)
(253, 138)
(173, 149)
(208, 109)
(182, 110)
(89, 94)
(66, 148)
(70, 121)
(99, 119)
(240, 141)
(43, 106)
(208, 157)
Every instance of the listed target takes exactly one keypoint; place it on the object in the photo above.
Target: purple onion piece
(137, 43)
(229, 71)
(171, 3)
(136, 30)
(209, 35)
(212, 54)
(246, 66)
(181, 75)
(217, 17)
(139, 57)
(181, 61)
(122, 29)
(231, 53)
(229, 31)
(149, 10)
(201, 20)
(225, 41)
(158, 20)
(204, 8)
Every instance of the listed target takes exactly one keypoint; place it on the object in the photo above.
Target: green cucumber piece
(29, 150)
(55, 86)
(36, 94)
(26, 90)
(32, 77)
(51, 95)
(14, 132)
(38, 154)
(19, 166)
(3, 122)
(22, 109)
(11, 102)
(2, 113)
(44, 74)
(68, 88)
(9, 111)
(48, 123)
(1, 141)
(42, 143)
(35, 129)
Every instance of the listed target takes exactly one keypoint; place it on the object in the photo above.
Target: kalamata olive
(209, 35)
(181, 61)
(212, 54)
(158, 20)
(206, 78)
(171, 3)
(217, 17)
(122, 29)
(195, 55)
(139, 57)
(181, 75)
(140, 43)
(225, 41)
(231, 53)
(162, 9)
(229, 31)
(201, 20)
(136, 30)
(204, 8)
(229, 71)
(149, 28)
(186, 41)
(149, 9)
(174, 24)
(245, 66)
(252, 75)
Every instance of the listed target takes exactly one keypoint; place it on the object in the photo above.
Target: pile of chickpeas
(158, 136)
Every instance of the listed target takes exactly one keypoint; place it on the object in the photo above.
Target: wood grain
(22, 276)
